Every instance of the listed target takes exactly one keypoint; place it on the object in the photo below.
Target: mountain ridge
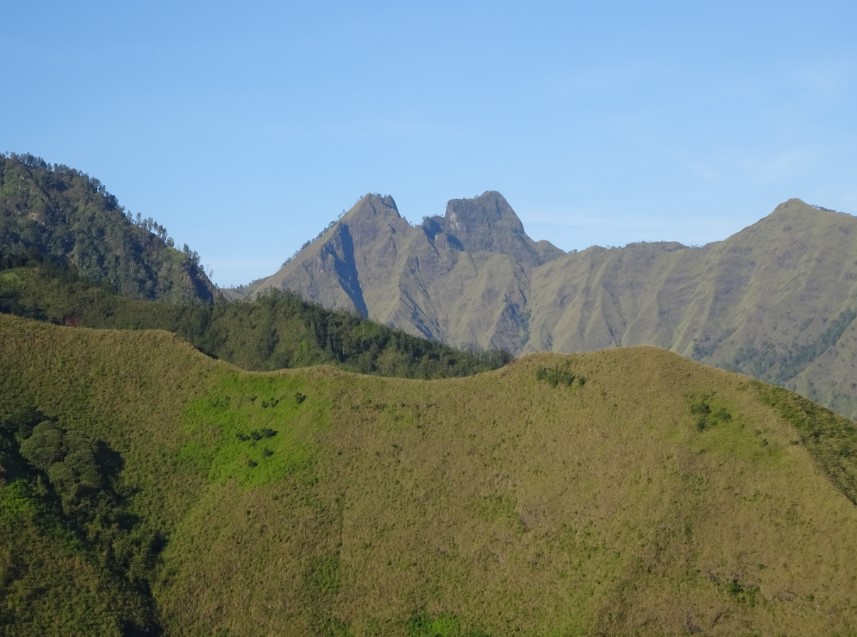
(777, 300)
(474, 278)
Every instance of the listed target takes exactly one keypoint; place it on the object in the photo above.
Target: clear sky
(245, 127)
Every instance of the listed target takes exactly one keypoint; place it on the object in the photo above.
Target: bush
(708, 415)
(746, 594)
(557, 375)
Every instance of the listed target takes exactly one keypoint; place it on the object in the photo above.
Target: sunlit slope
(656, 496)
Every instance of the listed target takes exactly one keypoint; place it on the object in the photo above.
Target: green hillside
(275, 331)
(628, 491)
(53, 213)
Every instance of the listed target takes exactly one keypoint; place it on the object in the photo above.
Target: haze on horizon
(246, 129)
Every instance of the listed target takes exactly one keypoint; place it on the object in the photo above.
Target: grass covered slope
(620, 492)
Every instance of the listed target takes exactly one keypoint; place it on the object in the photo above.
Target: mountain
(146, 489)
(461, 278)
(777, 300)
(57, 214)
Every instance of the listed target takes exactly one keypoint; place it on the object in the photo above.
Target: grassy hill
(628, 491)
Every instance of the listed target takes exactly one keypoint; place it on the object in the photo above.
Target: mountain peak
(793, 205)
(488, 211)
(373, 206)
(796, 211)
(487, 223)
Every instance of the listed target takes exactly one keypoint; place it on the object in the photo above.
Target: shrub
(708, 415)
(746, 594)
(557, 375)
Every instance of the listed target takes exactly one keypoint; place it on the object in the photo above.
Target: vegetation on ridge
(58, 214)
(275, 331)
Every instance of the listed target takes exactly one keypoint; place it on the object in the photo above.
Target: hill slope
(57, 214)
(777, 300)
(618, 492)
(274, 331)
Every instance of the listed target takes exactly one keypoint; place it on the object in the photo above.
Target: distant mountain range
(777, 300)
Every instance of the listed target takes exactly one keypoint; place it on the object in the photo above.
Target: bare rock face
(459, 278)
(488, 224)
(777, 300)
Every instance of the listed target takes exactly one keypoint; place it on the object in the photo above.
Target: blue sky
(245, 128)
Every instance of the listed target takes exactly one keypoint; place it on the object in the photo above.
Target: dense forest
(275, 331)
(66, 521)
(61, 215)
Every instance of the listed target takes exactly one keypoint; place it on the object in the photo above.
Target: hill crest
(59, 215)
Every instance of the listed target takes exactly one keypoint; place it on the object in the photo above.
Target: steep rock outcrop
(461, 278)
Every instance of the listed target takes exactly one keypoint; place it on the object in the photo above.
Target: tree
(77, 474)
(44, 446)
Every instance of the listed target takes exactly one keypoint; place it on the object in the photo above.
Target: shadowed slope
(275, 331)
